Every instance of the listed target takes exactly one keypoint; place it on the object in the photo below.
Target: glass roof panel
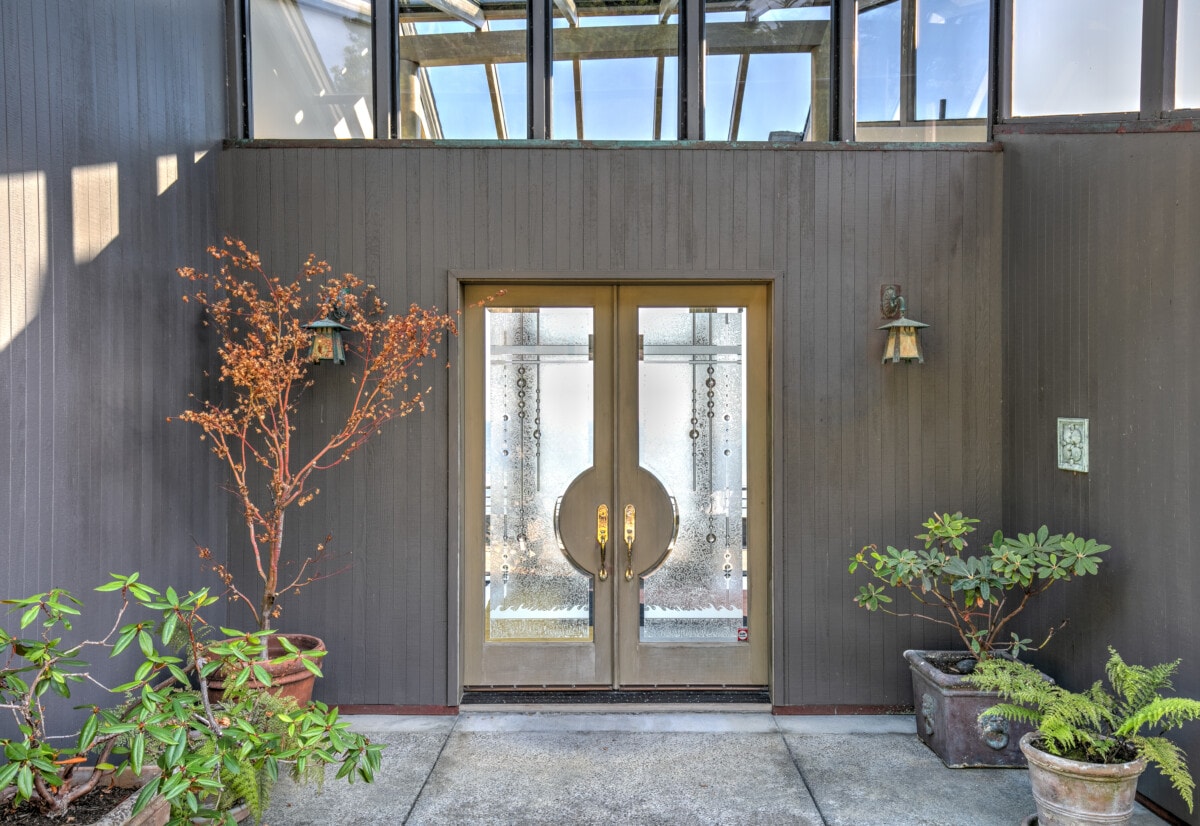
(772, 78)
(1187, 56)
(1073, 57)
(952, 59)
(878, 93)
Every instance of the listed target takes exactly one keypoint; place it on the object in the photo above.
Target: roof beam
(467, 11)
(601, 42)
(568, 10)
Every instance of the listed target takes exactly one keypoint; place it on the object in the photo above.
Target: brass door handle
(602, 538)
(630, 525)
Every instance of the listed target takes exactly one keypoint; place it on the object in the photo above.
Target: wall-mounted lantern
(903, 342)
(327, 341)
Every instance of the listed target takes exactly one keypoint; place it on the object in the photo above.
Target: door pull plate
(602, 538)
(630, 524)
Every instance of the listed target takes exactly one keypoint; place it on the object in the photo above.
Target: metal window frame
(540, 65)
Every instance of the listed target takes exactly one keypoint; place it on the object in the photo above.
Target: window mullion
(692, 47)
(908, 60)
(539, 52)
(385, 47)
(1160, 20)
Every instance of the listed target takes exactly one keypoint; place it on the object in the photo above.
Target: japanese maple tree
(264, 355)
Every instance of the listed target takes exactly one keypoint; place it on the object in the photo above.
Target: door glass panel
(539, 426)
(692, 436)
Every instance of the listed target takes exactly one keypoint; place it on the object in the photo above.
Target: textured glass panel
(1076, 56)
(311, 67)
(615, 72)
(1187, 56)
(461, 75)
(693, 438)
(952, 59)
(878, 95)
(539, 438)
(765, 69)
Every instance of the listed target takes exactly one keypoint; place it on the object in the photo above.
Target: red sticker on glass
(743, 635)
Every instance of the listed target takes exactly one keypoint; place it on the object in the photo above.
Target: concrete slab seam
(412, 806)
(800, 771)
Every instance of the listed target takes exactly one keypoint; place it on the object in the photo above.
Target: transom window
(470, 69)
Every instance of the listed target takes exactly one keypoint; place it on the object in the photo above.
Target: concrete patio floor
(659, 767)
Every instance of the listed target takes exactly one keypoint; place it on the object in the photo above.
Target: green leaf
(168, 628)
(146, 794)
(261, 674)
(137, 752)
(145, 643)
(30, 615)
(127, 636)
(88, 733)
(25, 782)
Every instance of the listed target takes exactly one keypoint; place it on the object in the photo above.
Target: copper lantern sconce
(903, 341)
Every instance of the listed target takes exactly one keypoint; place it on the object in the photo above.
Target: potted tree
(270, 330)
(1089, 748)
(191, 755)
(977, 597)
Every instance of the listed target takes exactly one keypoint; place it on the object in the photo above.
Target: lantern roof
(902, 322)
(328, 324)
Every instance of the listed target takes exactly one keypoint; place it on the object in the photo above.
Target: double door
(616, 496)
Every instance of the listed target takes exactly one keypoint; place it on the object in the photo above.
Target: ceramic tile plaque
(1073, 445)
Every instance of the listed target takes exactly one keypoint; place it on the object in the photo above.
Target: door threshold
(616, 708)
(609, 700)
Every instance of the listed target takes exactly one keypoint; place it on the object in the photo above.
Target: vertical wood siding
(1102, 298)
(866, 450)
(96, 348)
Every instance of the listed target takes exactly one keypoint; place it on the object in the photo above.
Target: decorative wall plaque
(1073, 445)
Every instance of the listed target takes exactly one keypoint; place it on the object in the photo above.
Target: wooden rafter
(601, 42)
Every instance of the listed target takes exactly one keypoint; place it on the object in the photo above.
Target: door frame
(457, 280)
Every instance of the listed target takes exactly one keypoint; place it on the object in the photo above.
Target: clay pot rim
(1078, 768)
(304, 642)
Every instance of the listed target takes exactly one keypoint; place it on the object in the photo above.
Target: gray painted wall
(864, 451)
(96, 348)
(1101, 305)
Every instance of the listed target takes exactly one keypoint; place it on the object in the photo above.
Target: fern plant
(1098, 725)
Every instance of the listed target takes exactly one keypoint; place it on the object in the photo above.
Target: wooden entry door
(616, 486)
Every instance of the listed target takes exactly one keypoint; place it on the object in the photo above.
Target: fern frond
(1169, 712)
(1137, 685)
(1010, 711)
(1171, 762)
(243, 785)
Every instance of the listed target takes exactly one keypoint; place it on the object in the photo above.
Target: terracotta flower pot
(288, 678)
(1072, 793)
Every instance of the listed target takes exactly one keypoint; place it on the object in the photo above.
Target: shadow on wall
(96, 350)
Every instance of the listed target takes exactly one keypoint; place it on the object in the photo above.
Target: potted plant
(977, 597)
(269, 332)
(194, 757)
(1089, 748)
